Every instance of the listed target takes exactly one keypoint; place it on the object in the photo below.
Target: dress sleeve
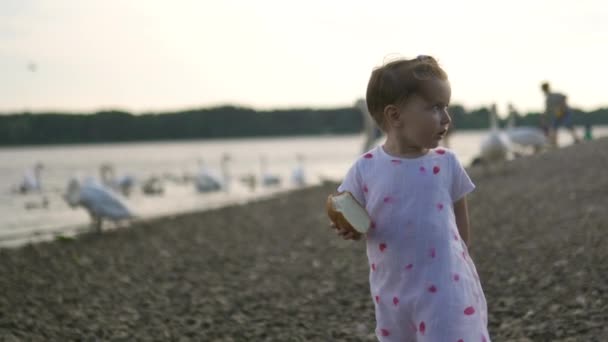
(461, 183)
(353, 183)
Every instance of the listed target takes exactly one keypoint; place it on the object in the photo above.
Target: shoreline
(21, 239)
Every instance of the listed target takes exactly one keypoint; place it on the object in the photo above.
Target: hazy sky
(144, 55)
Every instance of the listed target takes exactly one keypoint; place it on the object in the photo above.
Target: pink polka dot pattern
(410, 202)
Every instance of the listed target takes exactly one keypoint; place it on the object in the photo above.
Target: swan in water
(526, 137)
(268, 179)
(208, 181)
(153, 186)
(101, 202)
(31, 180)
(123, 184)
(42, 204)
(298, 175)
(249, 180)
(371, 132)
(496, 146)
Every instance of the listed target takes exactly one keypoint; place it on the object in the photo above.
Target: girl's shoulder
(376, 155)
(444, 152)
(451, 159)
(368, 157)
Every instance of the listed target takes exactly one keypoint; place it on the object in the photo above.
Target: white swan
(208, 181)
(298, 175)
(249, 180)
(268, 179)
(123, 184)
(153, 186)
(526, 137)
(371, 132)
(496, 146)
(101, 202)
(42, 204)
(31, 180)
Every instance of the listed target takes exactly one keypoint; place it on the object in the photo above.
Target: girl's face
(423, 120)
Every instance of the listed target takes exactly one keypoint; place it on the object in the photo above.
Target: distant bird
(101, 202)
(31, 180)
(268, 179)
(526, 137)
(496, 146)
(176, 179)
(43, 204)
(209, 181)
(153, 186)
(249, 180)
(32, 67)
(123, 184)
(298, 175)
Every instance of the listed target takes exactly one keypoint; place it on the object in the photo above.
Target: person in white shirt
(423, 282)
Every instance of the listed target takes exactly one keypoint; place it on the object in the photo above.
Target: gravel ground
(273, 271)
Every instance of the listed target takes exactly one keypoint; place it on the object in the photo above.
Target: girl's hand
(346, 234)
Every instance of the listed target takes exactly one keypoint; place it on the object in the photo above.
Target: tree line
(218, 122)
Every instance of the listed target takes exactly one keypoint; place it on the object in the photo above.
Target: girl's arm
(461, 212)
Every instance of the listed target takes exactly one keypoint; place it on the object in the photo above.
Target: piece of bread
(346, 213)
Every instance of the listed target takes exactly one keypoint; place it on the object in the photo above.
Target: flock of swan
(105, 198)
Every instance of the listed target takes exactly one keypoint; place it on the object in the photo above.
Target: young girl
(423, 282)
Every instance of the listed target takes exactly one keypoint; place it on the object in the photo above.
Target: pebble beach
(273, 270)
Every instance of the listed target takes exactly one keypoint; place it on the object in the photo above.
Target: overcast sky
(142, 55)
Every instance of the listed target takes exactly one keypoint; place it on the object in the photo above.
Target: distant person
(557, 112)
(422, 279)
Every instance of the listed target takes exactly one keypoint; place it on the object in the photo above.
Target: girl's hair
(394, 82)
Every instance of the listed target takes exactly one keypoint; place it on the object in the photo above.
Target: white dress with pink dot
(423, 282)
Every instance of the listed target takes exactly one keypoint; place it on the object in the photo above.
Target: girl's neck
(403, 149)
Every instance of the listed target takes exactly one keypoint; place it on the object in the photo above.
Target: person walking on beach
(423, 282)
(557, 112)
